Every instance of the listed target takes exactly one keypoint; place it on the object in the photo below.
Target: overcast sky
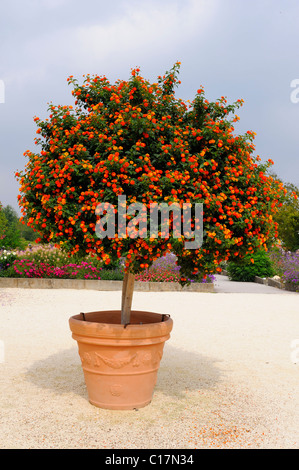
(237, 48)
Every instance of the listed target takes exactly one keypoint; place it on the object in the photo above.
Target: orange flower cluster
(134, 138)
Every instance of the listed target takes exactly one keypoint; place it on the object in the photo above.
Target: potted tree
(104, 168)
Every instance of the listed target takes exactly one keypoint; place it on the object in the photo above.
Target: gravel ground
(228, 377)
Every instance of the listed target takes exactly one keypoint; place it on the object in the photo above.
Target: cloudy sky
(236, 48)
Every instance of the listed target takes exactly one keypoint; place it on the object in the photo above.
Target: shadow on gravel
(60, 372)
(179, 371)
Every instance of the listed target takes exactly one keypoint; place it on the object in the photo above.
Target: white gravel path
(228, 378)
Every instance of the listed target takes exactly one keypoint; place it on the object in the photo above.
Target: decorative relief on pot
(147, 358)
(116, 390)
(95, 359)
(151, 358)
(86, 358)
(118, 363)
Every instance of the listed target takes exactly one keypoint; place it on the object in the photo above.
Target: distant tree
(288, 221)
(27, 232)
(16, 230)
(12, 235)
(287, 218)
(3, 225)
(11, 215)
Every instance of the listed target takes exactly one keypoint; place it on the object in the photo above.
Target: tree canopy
(135, 139)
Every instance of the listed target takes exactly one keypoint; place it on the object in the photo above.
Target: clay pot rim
(80, 327)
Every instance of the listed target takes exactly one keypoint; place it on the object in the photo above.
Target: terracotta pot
(120, 363)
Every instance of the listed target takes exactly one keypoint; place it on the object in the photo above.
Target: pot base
(113, 406)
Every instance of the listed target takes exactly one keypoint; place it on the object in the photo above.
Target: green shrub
(6, 260)
(112, 275)
(245, 270)
(9, 272)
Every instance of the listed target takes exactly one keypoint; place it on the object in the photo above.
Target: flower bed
(165, 269)
(83, 270)
(6, 259)
(286, 265)
(47, 262)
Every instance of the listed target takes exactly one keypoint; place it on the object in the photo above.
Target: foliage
(287, 218)
(3, 224)
(245, 270)
(134, 138)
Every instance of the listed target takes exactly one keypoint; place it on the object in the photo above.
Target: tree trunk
(127, 294)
